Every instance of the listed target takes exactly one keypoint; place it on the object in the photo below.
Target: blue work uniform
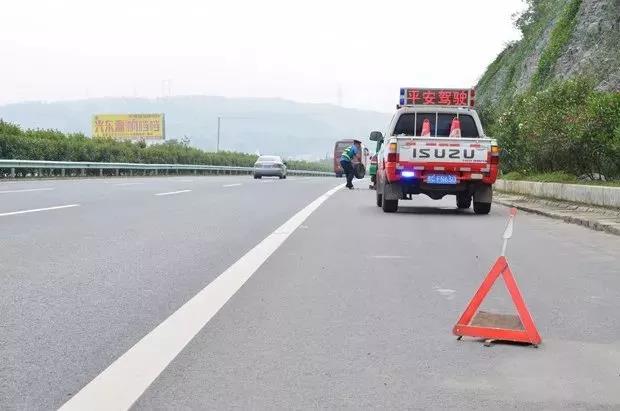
(348, 154)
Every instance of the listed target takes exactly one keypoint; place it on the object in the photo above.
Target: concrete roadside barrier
(603, 196)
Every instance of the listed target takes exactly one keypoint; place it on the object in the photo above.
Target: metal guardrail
(41, 168)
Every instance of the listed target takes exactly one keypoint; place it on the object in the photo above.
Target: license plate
(441, 179)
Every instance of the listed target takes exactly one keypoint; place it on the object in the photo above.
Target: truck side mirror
(376, 136)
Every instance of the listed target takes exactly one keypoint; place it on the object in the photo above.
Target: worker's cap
(357, 142)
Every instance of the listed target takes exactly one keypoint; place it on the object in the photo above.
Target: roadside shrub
(53, 145)
(567, 127)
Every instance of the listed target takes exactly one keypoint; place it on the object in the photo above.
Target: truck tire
(390, 206)
(379, 199)
(482, 208)
(359, 170)
(463, 200)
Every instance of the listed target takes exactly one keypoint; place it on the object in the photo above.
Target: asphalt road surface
(108, 300)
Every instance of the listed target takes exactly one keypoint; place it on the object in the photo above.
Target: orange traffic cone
(426, 128)
(455, 128)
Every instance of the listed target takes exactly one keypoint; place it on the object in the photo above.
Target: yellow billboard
(129, 126)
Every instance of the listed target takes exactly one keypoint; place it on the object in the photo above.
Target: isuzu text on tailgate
(435, 145)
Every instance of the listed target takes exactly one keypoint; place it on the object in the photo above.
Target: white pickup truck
(435, 145)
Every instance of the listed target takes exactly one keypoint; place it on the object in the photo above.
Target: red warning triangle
(502, 327)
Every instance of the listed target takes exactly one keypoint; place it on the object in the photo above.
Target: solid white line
(25, 190)
(389, 256)
(173, 192)
(126, 379)
(127, 184)
(232, 185)
(38, 209)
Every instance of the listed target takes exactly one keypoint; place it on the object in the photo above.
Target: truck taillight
(495, 154)
(392, 156)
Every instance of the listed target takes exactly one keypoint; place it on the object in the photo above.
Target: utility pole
(339, 95)
(217, 148)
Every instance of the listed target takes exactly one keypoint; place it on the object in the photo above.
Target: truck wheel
(390, 206)
(379, 199)
(463, 200)
(482, 208)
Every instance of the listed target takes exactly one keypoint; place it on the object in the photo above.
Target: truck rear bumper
(481, 191)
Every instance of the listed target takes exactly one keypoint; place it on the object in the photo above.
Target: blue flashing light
(407, 174)
(403, 92)
(402, 101)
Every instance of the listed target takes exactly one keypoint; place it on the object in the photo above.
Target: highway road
(228, 292)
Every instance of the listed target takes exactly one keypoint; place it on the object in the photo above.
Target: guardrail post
(101, 172)
(62, 172)
(12, 175)
(130, 173)
(195, 171)
(117, 172)
(83, 173)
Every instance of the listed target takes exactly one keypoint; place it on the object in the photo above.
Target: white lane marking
(126, 379)
(445, 292)
(128, 184)
(34, 210)
(389, 256)
(185, 181)
(267, 181)
(25, 190)
(232, 185)
(172, 192)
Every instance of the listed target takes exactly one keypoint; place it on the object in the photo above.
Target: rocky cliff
(561, 39)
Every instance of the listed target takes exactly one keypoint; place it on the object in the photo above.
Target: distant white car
(269, 166)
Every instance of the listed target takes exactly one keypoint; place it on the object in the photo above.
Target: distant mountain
(248, 124)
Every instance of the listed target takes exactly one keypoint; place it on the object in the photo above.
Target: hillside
(562, 39)
(248, 125)
(552, 99)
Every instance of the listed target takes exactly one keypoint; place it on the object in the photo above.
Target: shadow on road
(434, 210)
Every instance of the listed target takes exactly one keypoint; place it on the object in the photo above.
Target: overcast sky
(300, 50)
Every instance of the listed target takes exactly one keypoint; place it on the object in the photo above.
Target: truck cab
(435, 145)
